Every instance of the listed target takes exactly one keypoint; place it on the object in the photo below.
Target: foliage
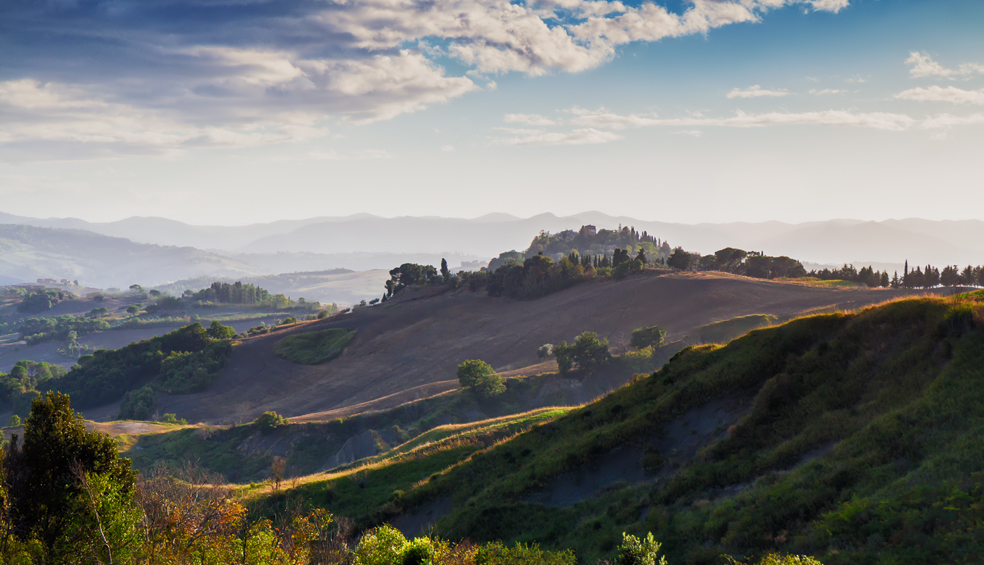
(137, 404)
(649, 336)
(314, 348)
(410, 274)
(15, 421)
(269, 421)
(481, 378)
(218, 331)
(184, 360)
(545, 351)
(47, 479)
(635, 551)
(39, 330)
(586, 353)
(42, 300)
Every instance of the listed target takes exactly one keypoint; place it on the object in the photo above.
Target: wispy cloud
(924, 66)
(690, 132)
(587, 136)
(757, 92)
(826, 91)
(875, 120)
(939, 94)
(529, 119)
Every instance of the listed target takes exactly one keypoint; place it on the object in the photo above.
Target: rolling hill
(410, 348)
(850, 436)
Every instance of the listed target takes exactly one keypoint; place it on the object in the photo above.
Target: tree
(48, 501)
(545, 351)
(649, 336)
(641, 256)
(635, 551)
(445, 272)
(680, 259)
(586, 353)
(269, 421)
(950, 276)
(218, 331)
(471, 372)
(14, 421)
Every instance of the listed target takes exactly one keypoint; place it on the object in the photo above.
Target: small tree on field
(480, 377)
(14, 421)
(218, 331)
(545, 351)
(445, 272)
(269, 421)
(587, 352)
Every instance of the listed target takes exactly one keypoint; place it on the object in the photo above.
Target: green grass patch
(727, 330)
(314, 348)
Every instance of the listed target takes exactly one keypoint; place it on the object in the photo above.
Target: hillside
(851, 436)
(411, 347)
(28, 253)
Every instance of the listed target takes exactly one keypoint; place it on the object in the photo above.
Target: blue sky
(233, 111)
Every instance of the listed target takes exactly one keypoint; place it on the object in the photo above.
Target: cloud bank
(119, 76)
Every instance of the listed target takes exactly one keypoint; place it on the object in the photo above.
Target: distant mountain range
(158, 250)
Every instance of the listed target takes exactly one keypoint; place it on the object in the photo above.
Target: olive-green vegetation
(585, 354)
(39, 330)
(17, 389)
(479, 376)
(726, 330)
(649, 336)
(851, 436)
(180, 362)
(42, 299)
(314, 348)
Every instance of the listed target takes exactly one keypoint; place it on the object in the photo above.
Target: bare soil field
(410, 348)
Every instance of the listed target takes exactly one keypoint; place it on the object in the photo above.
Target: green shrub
(495, 553)
(137, 404)
(470, 371)
(269, 421)
(381, 546)
(14, 421)
(634, 551)
(649, 336)
(314, 348)
(586, 353)
(173, 420)
(420, 551)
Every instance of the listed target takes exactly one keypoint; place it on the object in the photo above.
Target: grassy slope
(859, 442)
(314, 348)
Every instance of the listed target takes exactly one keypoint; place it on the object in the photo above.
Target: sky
(239, 111)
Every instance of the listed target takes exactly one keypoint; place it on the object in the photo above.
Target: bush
(649, 336)
(269, 421)
(545, 351)
(634, 551)
(586, 353)
(137, 404)
(496, 553)
(218, 331)
(173, 420)
(471, 371)
(14, 421)
(381, 546)
(420, 551)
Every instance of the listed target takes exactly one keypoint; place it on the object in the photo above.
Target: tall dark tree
(43, 475)
(445, 272)
(641, 256)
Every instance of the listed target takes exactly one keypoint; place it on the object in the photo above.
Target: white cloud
(827, 91)
(587, 136)
(68, 116)
(924, 66)
(938, 94)
(944, 121)
(690, 132)
(757, 92)
(447, 148)
(605, 119)
(875, 120)
(529, 119)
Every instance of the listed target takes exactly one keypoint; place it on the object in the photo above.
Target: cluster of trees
(739, 262)
(412, 274)
(42, 300)
(587, 241)
(235, 293)
(25, 377)
(182, 361)
(588, 352)
(920, 277)
(40, 330)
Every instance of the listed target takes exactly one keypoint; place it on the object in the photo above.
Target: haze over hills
(322, 239)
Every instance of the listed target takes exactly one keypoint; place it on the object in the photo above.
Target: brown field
(409, 349)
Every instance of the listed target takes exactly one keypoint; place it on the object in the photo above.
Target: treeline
(587, 241)
(920, 277)
(61, 328)
(69, 498)
(235, 293)
(25, 377)
(183, 361)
